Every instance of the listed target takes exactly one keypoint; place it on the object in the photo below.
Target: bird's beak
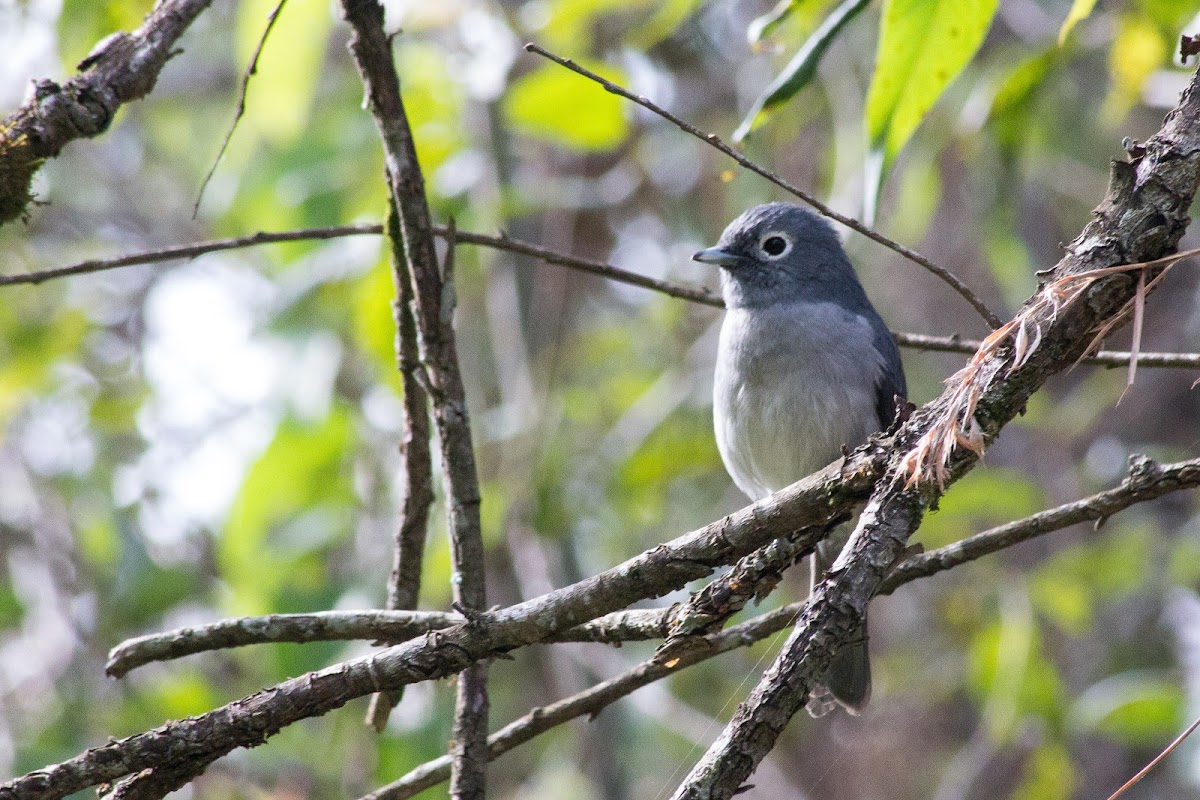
(715, 255)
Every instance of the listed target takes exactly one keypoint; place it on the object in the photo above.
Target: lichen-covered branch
(121, 68)
(248, 722)
(1141, 219)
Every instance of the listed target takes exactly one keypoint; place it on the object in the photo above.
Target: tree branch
(711, 138)
(1146, 481)
(248, 722)
(341, 626)
(408, 552)
(914, 341)
(433, 310)
(1142, 218)
(121, 68)
(593, 700)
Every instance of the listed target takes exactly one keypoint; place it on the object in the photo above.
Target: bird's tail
(848, 680)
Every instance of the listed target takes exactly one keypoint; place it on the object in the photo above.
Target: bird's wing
(891, 389)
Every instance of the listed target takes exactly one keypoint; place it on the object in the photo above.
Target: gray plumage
(805, 366)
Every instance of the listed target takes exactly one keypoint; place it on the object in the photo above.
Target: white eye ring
(775, 245)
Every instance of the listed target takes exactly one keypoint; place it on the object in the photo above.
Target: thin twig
(716, 141)
(1105, 358)
(251, 70)
(189, 251)
(408, 550)
(593, 700)
(696, 295)
(1146, 769)
(433, 308)
(1146, 480)
(914, 341)
(754, 576)
(319, 626)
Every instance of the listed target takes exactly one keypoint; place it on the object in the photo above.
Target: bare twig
(1146, 481)
(341, 626)
(754, 576)
(251, 70)
(404, 585)
(914, 341)
(1104, 358)
(696, 295)
(593, 700)
(711, 138)
(188, 251)
(433, 307)
(1155, 762)
(121, 68)
(319, 626)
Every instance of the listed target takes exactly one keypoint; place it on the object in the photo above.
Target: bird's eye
(774, 246)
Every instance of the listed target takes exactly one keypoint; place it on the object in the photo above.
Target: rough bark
(121, 68)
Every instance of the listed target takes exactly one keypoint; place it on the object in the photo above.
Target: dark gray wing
(892, 389)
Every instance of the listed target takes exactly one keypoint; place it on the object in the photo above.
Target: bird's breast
(794, 383)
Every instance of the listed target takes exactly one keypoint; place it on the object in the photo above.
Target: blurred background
(200, 439)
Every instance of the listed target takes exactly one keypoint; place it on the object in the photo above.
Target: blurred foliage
(183, 442)
(547, 104)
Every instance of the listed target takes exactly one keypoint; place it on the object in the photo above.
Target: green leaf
(293, 501)
(1137, 708)
(800, 70)
(662, 23)
(553, 104)
(280, 96)
(1138, 49)
(923, 46)
(762, 27)
(1012, 118)
(1011, 673)
(1048, 773)
(1079, 12)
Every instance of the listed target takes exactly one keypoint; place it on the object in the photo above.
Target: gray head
(780, 252)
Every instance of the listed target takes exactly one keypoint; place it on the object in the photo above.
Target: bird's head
(780, 252)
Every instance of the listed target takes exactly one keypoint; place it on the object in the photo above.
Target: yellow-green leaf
(1048, 773)
(923, 46)
(554, 104)
(1137, 51)
(1079, 12)
(800, 70)
(281, 92)
(299, 483)
(1137, 708)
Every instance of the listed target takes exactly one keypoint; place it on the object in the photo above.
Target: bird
(805, 368)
